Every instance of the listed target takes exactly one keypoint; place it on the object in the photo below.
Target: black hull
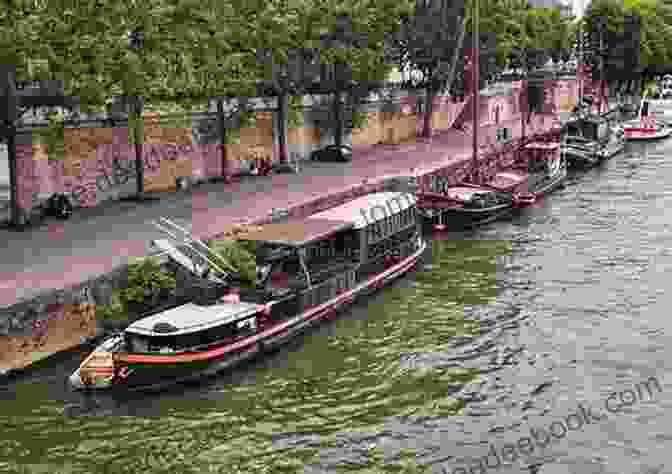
(459, 219)
(142, 375)
(550, 184)
(580, 159)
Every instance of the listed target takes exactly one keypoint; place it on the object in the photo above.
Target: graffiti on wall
(113, 172)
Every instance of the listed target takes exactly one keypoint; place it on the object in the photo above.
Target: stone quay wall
(98, 163)
(62, 319)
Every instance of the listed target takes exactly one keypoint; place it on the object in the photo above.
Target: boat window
(216, 334)
(136, 343)
(162, 344)
(537, 165)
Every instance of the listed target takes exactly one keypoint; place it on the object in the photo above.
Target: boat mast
(475, 64)
(641, 106)
(580, 62)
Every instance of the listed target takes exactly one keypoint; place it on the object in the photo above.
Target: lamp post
(602, 24)
(8, 114)
(283, 84)
(475, 81)
(136, 40)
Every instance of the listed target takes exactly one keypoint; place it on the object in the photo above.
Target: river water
(514, 327)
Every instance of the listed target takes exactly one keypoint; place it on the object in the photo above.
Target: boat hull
(456, 219)
(641, 136)
(612, 149)
(577, 158)
(549, 184)
(151, 372)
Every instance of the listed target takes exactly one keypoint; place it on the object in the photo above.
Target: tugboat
(590, 140)
(307, 270)
(463, 207)
(541, 169)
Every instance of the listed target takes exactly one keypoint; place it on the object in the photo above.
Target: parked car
(341, 153)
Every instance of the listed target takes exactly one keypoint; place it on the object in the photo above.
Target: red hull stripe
(640, 130)
(310, 314)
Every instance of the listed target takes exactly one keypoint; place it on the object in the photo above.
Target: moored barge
(308, 269)
(463, 207)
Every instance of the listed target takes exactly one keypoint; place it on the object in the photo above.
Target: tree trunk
(17, 215)
(429, 111)
(222, 134)
(338, 119)
(282, 127)
(524, 106)
(138, 130)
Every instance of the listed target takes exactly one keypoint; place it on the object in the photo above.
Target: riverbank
(101, 239)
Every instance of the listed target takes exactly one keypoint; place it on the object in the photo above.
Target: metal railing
(328, 289)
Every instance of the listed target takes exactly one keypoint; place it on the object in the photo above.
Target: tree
(429, 41)
(636, 40)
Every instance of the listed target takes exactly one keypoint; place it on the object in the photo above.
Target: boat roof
(360, 211)
(466, 193)
(190, 318)
(507, 180)
(299, 232)
(543, 146)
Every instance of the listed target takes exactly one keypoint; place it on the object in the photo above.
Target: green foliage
(191, 50)
(145, 277)
(53, 136)
(359, 119)
(116, 310)
(239, 255)
(246, 119)
(295, 109)
(136, 128)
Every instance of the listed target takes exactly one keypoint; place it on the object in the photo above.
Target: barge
(308, 270)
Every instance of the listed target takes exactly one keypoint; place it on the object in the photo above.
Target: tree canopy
(190, 50)
(637, 37)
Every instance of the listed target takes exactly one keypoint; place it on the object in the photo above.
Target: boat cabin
(542, 158)
(327, 253)
(298, 253)
(510, 181)
(476, 198)
(191, 327)
(386, 224)
(590, 128)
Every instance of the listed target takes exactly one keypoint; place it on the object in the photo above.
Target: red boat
(646, 126)
(541, 169)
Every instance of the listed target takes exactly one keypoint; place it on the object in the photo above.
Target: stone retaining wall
(62, 319)
(35, 328)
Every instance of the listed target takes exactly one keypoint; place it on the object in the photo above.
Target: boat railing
(328, 289)
(378, 256)
(199, 250)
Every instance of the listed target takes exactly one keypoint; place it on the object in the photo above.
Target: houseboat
(307, 270)
(541, 169)
(587, 141)
(462, 207)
